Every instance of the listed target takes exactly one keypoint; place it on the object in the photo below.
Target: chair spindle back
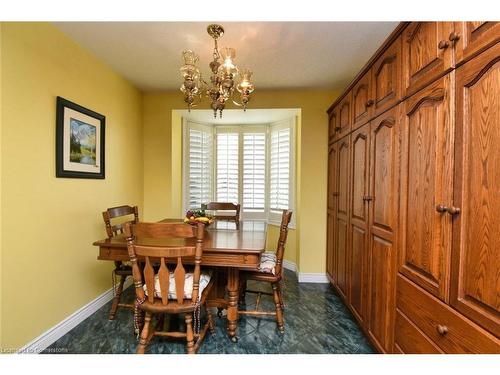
(163, 255)
(119, 211)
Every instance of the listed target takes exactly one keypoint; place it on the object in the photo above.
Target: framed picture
(79, 141)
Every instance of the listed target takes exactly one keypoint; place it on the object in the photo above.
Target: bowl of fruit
(194, 217)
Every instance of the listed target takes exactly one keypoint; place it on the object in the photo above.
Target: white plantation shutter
(200, 165)
(280, 171)
(227, 168)
(254, 172)
(248, 164)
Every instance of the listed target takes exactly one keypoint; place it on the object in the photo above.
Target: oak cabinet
(358, 224)
(426, 54)
(332, 123)
(361, 101)
(426, 187)
(472, 37)
(413, 245)
(342, 216)
(383, 204)
(386, 79)
(331, 213)
(344, 118)
(475, 287)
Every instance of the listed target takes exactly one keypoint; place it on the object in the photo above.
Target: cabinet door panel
(342, 257)
(332, 185)
(332, 123)
(358, 257)
(426, 181)
(386, 79)
(426, 53)
(330, 246)
(344, 119)
(342, 215)
(475, 37)
(475, 289)
(382, 293)
(361, 101)
(383, 191)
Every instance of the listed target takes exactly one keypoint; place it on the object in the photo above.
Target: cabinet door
(332, 123)
(344, 120)
(358, 229)
(342, 216)
(386, 79)
(475, 288)
(332, 175)
(471, 37)
(383, 209)
(426, 53)
(331, 213)
(331, 268)
(426, 187)
(361, 101)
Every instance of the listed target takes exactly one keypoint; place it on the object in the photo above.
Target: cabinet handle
(441, 208)
(443, 44)
(337, 128)
(442, 330)
(336, 194)
(369, 103)
(367, 198)
(453, 210)
(454, 37)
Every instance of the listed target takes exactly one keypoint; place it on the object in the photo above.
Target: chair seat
(268, 263)
(188, 285)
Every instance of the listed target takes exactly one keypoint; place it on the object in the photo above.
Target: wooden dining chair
(270, 271)
(122, 270)
(224, 207)
(168, 292)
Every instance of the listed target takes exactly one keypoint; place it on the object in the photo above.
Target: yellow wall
(1, 185)
(48, 265)
(162, 182)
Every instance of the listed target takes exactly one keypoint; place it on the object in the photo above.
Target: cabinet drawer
(431, 316)
(410, 339)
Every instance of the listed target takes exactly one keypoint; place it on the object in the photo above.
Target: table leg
(232, 309)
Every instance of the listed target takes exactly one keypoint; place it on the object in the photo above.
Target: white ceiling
(282, 55)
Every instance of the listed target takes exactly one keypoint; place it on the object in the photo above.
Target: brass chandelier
(222, 87)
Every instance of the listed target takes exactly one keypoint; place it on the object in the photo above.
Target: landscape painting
(79, 141)
(82, 142)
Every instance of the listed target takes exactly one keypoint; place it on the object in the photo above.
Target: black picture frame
(67, 141)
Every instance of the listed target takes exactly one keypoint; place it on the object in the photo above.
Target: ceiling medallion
(222, 81)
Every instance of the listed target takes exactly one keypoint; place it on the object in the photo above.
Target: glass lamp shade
(189, 69)
(246, 85)
(228, 56)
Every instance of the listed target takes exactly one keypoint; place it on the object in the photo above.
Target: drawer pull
(453, 210)
(367, 198)
(442, 330)
(337, 128)
(443, 44)
(441, 208)
(454, 37)
(369, 103)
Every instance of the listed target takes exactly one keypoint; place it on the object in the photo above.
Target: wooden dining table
(225, 248)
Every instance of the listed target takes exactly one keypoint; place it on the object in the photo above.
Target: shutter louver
(227, 167)
(200, 167)
(279, 194)
(254, 172)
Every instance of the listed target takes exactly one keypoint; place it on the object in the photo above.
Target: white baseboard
(319, 278)
(289, 265)
(60, 329)
(303, 277)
